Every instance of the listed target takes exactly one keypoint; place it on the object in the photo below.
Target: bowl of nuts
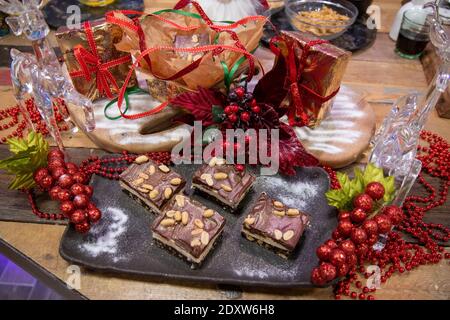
(326, 19)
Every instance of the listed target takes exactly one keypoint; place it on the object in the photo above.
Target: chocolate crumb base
(176, 253)
(283, 253)
(212, 196)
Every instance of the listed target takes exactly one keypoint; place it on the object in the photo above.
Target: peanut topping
(226, 188)
(141, 159)
(204, 238)
(278, 213)
(170, 213)
(175, 181)
(288, 235)
(143, 176)
(278, 234)
(220, 176)
(154, 193)
(249, 220)
(138, 181)
(164, 168)
(151, 169)
(196, 232)
(208, 213)
(168, 193)
(195, 242)
(167, 222)
(147, 186)
(293, 212)
(177, 216)
(180, 200)
(278, 205)
(198, 223)
(184, 217)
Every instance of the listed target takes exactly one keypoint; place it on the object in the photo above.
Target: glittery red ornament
(80, 178)
(344, 215)
(77, 188)
(364, 202)
(64, 195)
(316, 277)
(347, 246)
(370, 226)
(58, 172)
(82, 227)
(71, 166)
(372, 239)
(358, 235)
(88, 190)
(240, 91)
(394, 213)
(55, 153)
(245, 116)
(67, 207)
(240, 167)
(39, 174)
(55, 163)
(342, 270)
(358, 215)
(46, 182)
(352, 260)
(327, 271)
(362, 249)
(233, 117)
(228, 110)
(78, 216)
(323, 252)
(331, 243)
(91, 206)
(256, 109)
(336, 235)
(345, 227)
(81, 201)
(65, 181)
(375, 190)
(94, 215)
(384, 223)
(53, 193)
(337, 257)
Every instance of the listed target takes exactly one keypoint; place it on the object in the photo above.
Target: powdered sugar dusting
(104, 237)
(295, 194)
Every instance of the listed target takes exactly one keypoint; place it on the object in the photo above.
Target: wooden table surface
(377, 71)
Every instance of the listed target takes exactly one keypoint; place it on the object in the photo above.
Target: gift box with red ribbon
(314, 71)
(97, 69)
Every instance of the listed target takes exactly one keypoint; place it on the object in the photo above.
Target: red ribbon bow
(91, 63)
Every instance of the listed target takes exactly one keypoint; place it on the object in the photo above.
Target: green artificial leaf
(30, 153)
(389, 188)
(218, 115)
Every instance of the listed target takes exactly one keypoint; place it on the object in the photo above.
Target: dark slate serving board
(122, 241)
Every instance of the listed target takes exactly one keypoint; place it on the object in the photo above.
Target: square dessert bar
(223, 182)
(274, 225)
(152, 184)
(188, 229)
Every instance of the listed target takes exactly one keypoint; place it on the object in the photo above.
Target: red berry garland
(397, 255)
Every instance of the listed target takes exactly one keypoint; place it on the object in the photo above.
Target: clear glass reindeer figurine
(395, 144)
(40, 75)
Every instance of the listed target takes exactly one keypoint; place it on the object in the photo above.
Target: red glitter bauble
(344, 215)
(55, 153)
(80, 178)
(94, 215)
(358, 235)
(240, 167)
(323, 252)
(240, 91)
(347, 246)
(364, 202)
(352, 260)
(82, 227)
(342, 270)
(71, 166)
(316, 277)
(64, 195)
(256, 109)
(372, 239)
(331, 243)
(384, 223)
(58, 172)
(55, 163)
(394, 213)
(77, 188)
(245, 116)
(336, 235)
(337, 257)
(370, 226)
(72, 171)
(39, 174)
(375, 190)
(233, 117)
(89, 191)
(66, 207)
(228, 110)
(46, 182)
(53, 193)
(78, 216)
(65, 181)
(358, 215)
(362, 249)
(81, 201)
(91, 206)
(327, 271)
(345, 227)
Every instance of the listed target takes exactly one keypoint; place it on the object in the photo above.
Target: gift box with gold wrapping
(320, 67)
(97, 71)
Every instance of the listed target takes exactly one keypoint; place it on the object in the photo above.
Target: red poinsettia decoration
(244, 110)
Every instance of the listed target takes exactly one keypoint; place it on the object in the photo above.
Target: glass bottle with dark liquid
(413, 36)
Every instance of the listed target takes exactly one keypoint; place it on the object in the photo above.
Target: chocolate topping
(188, 237)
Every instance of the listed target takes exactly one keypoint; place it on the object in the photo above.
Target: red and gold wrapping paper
(105, 36)
(321, 73)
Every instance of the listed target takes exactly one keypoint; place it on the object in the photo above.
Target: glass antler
(40, 75)
(395, 144)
